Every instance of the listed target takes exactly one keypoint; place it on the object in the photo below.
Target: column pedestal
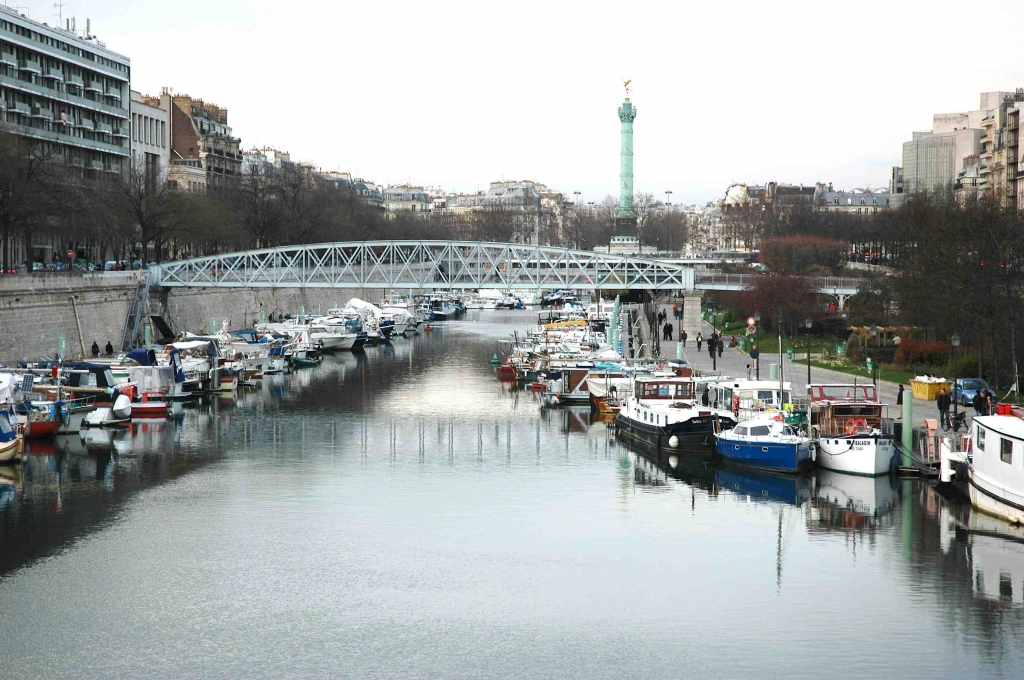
(692, 322)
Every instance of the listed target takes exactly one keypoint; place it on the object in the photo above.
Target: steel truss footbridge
(422, 265)
(439, 265)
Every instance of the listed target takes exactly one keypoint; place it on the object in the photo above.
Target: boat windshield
(844, 393)
(6, 432)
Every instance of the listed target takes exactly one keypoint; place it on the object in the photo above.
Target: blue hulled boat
(765, 442)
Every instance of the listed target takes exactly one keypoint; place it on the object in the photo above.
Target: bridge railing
(711, 280)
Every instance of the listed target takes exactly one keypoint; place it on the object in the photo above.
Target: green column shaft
(908, 427)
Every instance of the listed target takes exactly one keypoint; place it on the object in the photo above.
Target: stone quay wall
(36, 310)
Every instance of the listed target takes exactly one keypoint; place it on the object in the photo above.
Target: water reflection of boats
(854, 501)
(695, 472)
(10, 481)
(995, 553)
(761, 485)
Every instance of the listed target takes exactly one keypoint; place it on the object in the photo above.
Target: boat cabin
(748, 395)
(998, 460)
(649, 388)
(845, 409)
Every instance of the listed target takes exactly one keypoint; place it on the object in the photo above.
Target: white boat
(996, 471)
(481, 303)
(530, 298)
(114, 414)
(846, 421)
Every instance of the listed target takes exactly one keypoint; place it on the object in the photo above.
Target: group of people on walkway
(667, 329)
(96, 349)
(983, 402)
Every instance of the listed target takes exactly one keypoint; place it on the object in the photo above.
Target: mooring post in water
(908, 428)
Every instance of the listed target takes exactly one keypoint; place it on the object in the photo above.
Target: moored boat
(765, 442)
(663, 413)
(10, 439)
(995, 473)
(846, 421)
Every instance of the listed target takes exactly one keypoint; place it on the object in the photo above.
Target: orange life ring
(850, 427)
(860, 425)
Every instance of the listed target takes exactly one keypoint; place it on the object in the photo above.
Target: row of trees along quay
(939, 266)
(128, 215)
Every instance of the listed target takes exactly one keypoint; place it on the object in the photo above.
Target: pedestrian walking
(942, 401)
(899, 397)
(664, 331)
(109, 349)
(668, 325)
(721, 347)
(683, 338)
(95, 349)
(700, 340)
(978, 403)
(748, 371)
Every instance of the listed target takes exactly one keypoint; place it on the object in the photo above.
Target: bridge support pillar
(691, 312)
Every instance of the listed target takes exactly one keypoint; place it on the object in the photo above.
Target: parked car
(965, 389)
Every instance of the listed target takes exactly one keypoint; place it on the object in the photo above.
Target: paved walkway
(734, 363)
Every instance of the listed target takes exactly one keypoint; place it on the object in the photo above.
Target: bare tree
(646, 209)
(27, 173)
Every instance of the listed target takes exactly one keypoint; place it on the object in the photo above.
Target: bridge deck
(447, 264)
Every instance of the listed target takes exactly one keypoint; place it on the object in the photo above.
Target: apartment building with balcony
(200, 138)
(66, 91)
(404, 198)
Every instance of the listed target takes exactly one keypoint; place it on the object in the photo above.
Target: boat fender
(673, 441)
(122, 407)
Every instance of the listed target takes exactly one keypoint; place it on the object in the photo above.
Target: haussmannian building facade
(203, 149)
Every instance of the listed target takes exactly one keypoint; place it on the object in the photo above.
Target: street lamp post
(807, 324)
(668, 197)
(874, 355)
(757, 344)
(955, 342)
(712, 308)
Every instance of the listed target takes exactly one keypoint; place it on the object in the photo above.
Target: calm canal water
(403, 514)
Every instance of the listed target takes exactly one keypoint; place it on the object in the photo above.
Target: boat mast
(781, 395)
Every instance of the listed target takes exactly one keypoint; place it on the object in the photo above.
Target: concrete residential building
(150, 140)
(934, 159)
(65, 90)
(200, 137)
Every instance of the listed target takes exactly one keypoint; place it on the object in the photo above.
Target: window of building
(1006, 450)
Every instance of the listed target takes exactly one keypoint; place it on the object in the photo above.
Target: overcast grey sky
(457, 94)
